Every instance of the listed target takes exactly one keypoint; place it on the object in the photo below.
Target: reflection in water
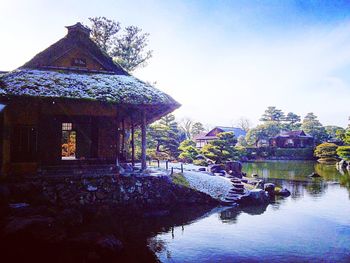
(229, 215)
(311, 225)
(295, 176)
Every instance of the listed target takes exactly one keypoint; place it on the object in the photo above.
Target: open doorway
(69, 141)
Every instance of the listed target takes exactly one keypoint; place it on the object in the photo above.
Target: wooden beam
(143, 142)
(132, 143)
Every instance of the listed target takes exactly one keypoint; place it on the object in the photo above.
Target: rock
(234, 168)
(18, 205)
(201, 169)
(269, 188)
(70, 217)
(255, 175)
(256, 197)
(284, 192)
(127, 168)
(91, 188)
(314, 175)
(342, 164)
(216, 168)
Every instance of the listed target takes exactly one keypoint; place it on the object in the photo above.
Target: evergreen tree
(221, 149)
(272, 114)
(189, 152)
(128, 48)
(312, 126)
(292, 121)
(262, 132)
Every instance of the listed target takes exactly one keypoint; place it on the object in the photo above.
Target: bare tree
(186, 126)
(243, 123)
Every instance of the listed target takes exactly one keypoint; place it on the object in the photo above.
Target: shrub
(326, 150)
(295, 153)
(200, 162)
(344, 152)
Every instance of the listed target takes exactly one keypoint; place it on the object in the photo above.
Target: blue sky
(220, 59)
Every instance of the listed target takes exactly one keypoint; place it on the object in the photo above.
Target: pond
(311, 225)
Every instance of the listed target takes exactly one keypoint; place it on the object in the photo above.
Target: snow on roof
(118, 89)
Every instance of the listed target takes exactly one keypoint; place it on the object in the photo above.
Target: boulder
(342, 164)
(234, 168)
(269, 188)
(256, 197)
(216, 168)
(255, 175)
(201, 169)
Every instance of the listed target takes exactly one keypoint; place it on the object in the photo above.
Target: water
(312, 225)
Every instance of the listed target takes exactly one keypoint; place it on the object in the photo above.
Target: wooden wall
(70, 59)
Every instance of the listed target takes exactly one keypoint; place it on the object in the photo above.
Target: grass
(178, 178)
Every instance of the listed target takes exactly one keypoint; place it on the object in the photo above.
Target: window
(78, 62)
(24, 144)
(67, 126)
(69, 138)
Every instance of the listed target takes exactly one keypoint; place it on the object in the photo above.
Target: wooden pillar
(6, 143)
(143, 142)
(132, 143)
(123, 140)
(117, 153)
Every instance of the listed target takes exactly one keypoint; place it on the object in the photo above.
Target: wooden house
(72, 105)
(292, 139)
(204, 138)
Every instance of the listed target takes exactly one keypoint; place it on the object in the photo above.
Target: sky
(222, 60)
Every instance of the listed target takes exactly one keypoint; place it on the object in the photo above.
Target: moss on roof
(116, 89)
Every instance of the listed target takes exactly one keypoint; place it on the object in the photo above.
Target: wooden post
(158, 163)
(132, 144)
(117, 144)
(123, 140)
(143, 142)
(172, 170)
(182, 168)
(166, 164)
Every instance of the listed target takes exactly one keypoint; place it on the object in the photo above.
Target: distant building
(292, 139)
(204, 138)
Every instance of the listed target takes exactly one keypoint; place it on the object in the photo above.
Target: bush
(326, 150)
(295, 153)
(200, 162)
(344, 152)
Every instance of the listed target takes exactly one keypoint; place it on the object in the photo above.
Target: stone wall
(132, 191)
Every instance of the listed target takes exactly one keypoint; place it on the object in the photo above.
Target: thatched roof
(116, 89)
(37, 78)
(77, 37)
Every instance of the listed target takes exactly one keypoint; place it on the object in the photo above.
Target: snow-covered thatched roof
(116, 89)
(49, 74)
